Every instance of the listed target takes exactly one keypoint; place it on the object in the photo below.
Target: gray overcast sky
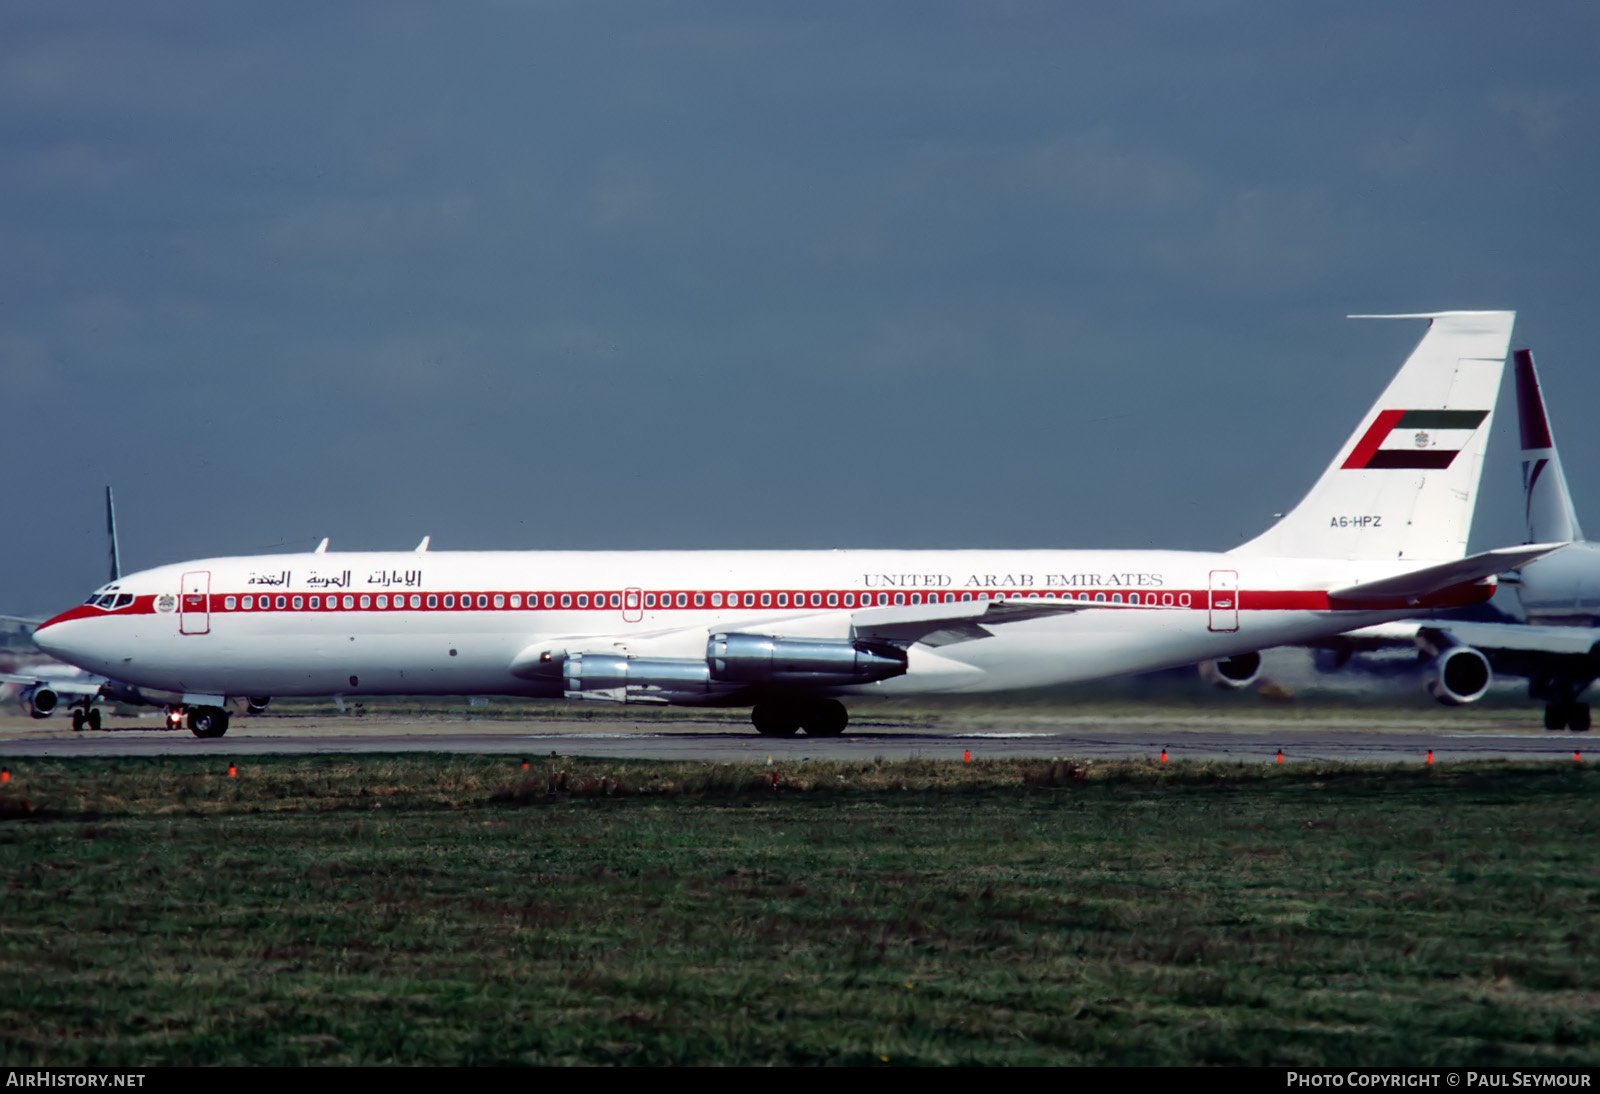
(756, 275)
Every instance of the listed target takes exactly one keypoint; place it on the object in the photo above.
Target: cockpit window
(123, 600)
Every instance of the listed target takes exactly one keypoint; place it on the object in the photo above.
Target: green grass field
(459, 910)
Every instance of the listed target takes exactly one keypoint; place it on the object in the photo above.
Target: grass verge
(426, 909)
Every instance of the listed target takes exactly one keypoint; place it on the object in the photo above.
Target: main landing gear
(85, 719)
(1567, 715)
(203, 721)
(784, 717)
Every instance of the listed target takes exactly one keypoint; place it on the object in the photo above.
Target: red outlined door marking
(1224, 600)
(632, 605)
(194, 603)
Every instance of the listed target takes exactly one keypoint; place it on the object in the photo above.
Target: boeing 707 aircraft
(791, 634)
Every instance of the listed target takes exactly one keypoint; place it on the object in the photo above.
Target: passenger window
(699, 600)
(849, 600)
(899, 598)
(229, 602)
(949, 598)
(1183, 600)
(249, 602)
(516, 600)
(383, 601)
(833, 600)
(566, 600)
(433, 600)
(783, 600)
(549, 600)
(1166, 599)
(449, 600)
(616, 600)
(883, 598)
(1133, 598)
(499, 600)
(316, 602)
(966, 596)
(416, 601)
(766, 600)
(716, 600)
(649, 600)
(683, 600)
(349, 601)
(1099, 597)
(1116, 598)
(916, 598)
(483, 600)
(299, 602)
(366, 601)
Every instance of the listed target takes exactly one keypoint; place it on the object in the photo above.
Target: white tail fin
(1551, 518)
(1404, 485)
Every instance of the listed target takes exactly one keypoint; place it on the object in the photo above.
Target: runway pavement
(1397, 736)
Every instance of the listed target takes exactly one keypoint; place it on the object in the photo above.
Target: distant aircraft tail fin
(1405, 483)
(111, 533)
(1551, 517)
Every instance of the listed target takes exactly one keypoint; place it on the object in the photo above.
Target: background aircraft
(1557, 649)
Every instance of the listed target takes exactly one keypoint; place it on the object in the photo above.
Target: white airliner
(1381, 535)
(1558, 649)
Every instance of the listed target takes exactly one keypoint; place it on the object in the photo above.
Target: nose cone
(57, 636)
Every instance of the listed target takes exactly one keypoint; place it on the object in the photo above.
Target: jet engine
(634, 679)
(760, 658)
(40, 701)
(1238, 671)
(1458, 674)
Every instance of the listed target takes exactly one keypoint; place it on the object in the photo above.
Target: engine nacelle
(609, 677)
(41, 701)
(763, 659)
(1459, 675)
(257, 704)
(1239, 671)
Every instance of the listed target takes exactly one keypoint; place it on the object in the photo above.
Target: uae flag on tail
(1427, 440)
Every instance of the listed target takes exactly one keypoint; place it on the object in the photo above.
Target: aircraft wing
(86, 685)
(945, 624)
(1411, 589)
(24, 619)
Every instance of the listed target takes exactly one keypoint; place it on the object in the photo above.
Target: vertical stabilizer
(1551, 518)
(111, 532)
(1405, 483)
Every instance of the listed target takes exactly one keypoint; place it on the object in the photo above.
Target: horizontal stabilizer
(1415, 585)
(23, 619)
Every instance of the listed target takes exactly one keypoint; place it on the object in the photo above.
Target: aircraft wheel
(1555, 716)
(825, 718)
(775, 719)
(258, 704)
(77, 721)
(93, 721)
(208, 721)
(1578, 717)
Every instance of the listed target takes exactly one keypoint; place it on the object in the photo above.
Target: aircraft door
(194, 603)
(1224, 600)
(632, 605)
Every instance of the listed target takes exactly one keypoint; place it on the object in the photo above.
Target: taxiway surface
(1403, 736)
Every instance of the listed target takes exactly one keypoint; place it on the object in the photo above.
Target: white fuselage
(454, 622)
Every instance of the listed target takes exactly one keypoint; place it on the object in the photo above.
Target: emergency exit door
(1224, 600)
(194, 603)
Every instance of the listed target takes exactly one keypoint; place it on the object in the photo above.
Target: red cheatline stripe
(1381, 427)
(1250, 600)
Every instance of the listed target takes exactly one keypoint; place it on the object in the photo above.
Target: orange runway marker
(1280, 755)
(233, 772)
(5, 774)
(1163, 755)
(966, 756)
(1430, 755)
